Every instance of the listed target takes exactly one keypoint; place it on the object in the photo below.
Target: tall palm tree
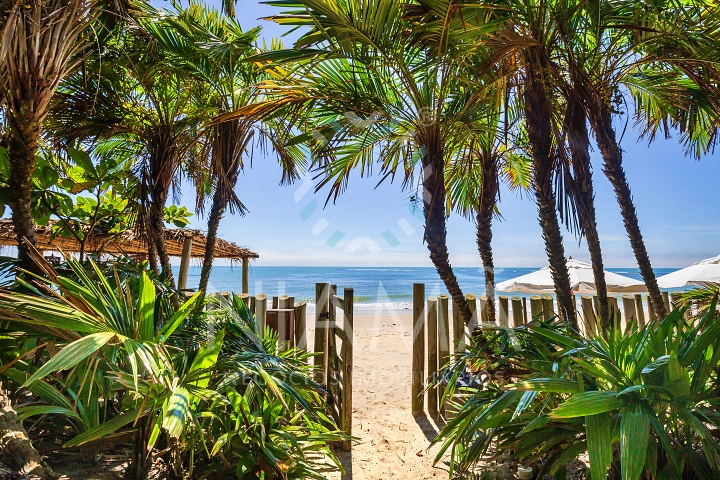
(627, 45)
(213, 48)
(383, 90)
(474, 189)
(41, 40)
(133, 94)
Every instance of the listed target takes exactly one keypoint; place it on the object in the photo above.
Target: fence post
(458, 328)
(613, 310)
(432, 345)
(443, 341)
(639, 310)
(474, 319)
(301, 326)
(666, 300)
(536, 307)
(548, 307)
(260, 313)
(504, 319)
(322, 314)
(629, 308)
(418, 363)
(651, 311)
(483, 309)
(517, 312)
(347, 356)
(525, 310)
(588, 314)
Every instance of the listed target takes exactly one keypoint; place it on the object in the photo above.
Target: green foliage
(645, 400)
(178, 216)
(204, 389)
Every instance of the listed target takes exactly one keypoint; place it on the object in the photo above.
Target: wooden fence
(431, 328)
(335, 341)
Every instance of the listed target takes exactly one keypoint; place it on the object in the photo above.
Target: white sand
(393, 443)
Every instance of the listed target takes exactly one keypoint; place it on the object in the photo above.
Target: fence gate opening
(335, 341)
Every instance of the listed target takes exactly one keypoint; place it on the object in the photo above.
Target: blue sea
(375, 287)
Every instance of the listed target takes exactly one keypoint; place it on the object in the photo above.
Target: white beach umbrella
(698, 274)
(581, 281)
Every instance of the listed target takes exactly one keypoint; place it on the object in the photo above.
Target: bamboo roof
(130, 242)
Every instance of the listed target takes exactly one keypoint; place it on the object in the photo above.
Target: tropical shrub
(643, 402)
(113, 359)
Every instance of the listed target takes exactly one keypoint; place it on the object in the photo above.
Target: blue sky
(676, 199)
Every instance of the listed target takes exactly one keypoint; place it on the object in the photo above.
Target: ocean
(375, 287)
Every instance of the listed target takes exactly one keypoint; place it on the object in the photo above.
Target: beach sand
(392, 442)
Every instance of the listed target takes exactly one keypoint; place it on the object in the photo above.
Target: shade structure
(129, 242)
(581, 281)
(699, 274)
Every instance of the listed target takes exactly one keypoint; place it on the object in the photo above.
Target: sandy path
(393, 443)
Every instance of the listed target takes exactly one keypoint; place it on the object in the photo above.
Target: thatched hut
(182, 243)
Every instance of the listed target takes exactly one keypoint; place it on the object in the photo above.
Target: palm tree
(135, 96)
(41, 40)
(213, 48)
(625, 45)
(380, 90)
(474, 189)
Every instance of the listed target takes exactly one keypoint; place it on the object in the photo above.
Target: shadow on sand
(430, 425)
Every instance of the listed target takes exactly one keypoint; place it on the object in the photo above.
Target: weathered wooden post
(517, 312)
(588, 315)
(443, 340)
(260, 313)
(322, 316)
(639, 310)
(301, 326)
(432, 344)
(548, 307)
(245, 275)
(347, 356)
(275, 301)
(614, 311)
(185, 262)
(651, 311)
(418, 363)
(245, 299)
(286, 302)
(504, 313)
(483, 309)
(536, 307)
(525, 310)
(474, 317)
(629, 308)
(666, 301)
(458, 328)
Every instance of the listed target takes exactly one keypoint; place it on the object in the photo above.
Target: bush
(113, 356)
(644, 403)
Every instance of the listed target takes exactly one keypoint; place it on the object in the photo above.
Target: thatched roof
(130, 242)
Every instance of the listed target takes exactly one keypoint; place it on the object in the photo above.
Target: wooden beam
(347, 359)
(322, 314)
(418, 362)
(443, 340)
(432, 345)
(245, 275)
(185, 262)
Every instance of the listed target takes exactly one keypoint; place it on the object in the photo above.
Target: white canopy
(581, 281)
(698, 274)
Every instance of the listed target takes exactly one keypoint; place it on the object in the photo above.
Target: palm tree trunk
(157, 218)
(216, 213)
(485, 211)
(601, 122)
(436, 227)
(16, 449)
(579, 140)
(22, 147)
(537, 114)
